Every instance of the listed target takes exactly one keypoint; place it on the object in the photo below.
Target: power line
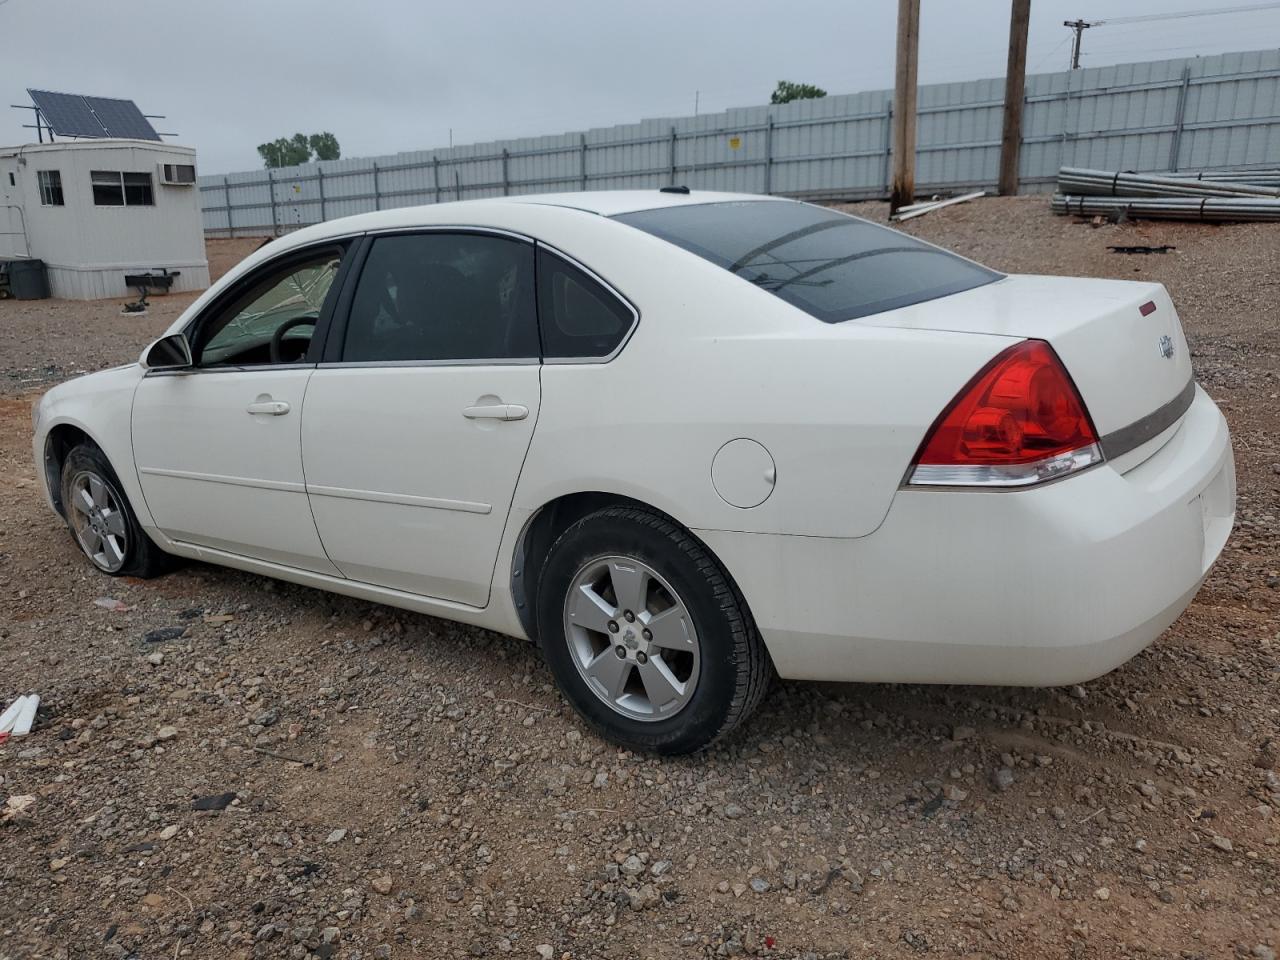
(1079, 26)
(1045, 59)
(1183, 14)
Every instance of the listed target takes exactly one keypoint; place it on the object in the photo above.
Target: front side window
(579, 317)
(113, 188)
(273, 319)
(50, 183)
(444, 297)
(830, 265)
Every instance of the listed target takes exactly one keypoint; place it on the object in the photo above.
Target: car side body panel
(848, 574)
(99, 405)
(1052, 585)
(713, 359)
(406, 489)
(212, 474)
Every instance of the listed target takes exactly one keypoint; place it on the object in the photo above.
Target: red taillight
(1019, 421)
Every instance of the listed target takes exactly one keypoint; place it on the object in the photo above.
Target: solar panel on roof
(67, 114)
(122, 118)
(74, 115)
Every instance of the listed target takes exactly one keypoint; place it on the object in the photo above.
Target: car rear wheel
(101, 519)
(646, 635)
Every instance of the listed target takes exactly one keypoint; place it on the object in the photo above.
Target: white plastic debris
(920, 209)
(16, 721)
(10, 716)
(27, 717)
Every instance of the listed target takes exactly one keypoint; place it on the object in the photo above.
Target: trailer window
(50, 182)
(112, 188)
(830, 265)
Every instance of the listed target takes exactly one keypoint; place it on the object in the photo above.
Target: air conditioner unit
(177, 174)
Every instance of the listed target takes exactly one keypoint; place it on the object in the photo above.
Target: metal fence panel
(1218, 112)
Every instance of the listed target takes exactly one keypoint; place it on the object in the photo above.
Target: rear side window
(832, 266)
(580, 318)
(444, 296)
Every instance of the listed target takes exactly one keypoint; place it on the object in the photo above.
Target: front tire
(646, 635)
(102, 521)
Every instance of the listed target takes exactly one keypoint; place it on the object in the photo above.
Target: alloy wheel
(631, 638)
(98, 519)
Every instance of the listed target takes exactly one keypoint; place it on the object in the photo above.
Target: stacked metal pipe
(1208, 209)
(1168, 197)
(1259, 178)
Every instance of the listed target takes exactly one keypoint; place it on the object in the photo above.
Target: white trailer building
(97, 210)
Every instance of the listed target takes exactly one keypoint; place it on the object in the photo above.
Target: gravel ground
(228, 766)
(46, 341)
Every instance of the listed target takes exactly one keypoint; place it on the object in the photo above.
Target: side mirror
(168, 353)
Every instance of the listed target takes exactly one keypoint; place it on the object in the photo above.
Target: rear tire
(102, 521)
(646, 635)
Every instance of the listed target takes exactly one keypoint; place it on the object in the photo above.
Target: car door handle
(496, 411)
(268, 408)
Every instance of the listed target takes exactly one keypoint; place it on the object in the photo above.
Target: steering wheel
(277, 338)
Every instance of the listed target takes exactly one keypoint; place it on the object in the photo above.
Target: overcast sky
(389, 75)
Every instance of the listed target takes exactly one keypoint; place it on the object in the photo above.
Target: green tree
(788, 91)
(291, 151)
(286, 151)
(325, 146)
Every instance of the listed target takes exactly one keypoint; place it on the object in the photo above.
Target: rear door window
(449, 297)
(830, 265)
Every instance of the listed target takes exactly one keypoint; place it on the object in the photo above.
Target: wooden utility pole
(1015, 80)
(903, 189)
(1078, 27)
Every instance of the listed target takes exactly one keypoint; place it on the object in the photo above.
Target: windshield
(830, 265)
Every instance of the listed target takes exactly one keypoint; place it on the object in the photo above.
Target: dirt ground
(398, 786)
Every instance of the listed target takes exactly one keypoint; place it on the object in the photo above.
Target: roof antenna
(680, 189)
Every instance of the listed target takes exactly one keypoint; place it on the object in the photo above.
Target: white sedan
(681, 440)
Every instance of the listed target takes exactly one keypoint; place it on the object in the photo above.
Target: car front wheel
(101, 519)
(645, 633)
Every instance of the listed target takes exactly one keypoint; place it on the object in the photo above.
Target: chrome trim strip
(1119, 442)
(376, 232)
(374, 496)
(245, 368)
(285, 486)
(359, 364)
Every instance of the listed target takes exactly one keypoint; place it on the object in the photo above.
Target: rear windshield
(830, 265)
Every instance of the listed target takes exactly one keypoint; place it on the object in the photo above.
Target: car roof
(609, 203)
(605, 203)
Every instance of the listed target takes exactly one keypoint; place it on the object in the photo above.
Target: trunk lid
(1120, 340)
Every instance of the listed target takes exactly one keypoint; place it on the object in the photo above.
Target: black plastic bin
(28, 279)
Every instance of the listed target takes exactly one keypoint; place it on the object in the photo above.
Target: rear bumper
(1053, 585)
